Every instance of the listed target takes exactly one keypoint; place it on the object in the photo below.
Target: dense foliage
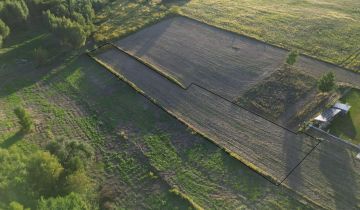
(54, 179)
(70, 21)
(327, 82)
(14, 12)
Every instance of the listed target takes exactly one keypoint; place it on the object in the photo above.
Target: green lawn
(348, 126)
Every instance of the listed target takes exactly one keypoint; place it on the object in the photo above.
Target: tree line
(70, 21)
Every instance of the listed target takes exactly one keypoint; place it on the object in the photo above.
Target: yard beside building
(348, 126)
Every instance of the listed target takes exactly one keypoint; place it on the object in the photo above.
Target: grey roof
(344, 107)
(328, 115)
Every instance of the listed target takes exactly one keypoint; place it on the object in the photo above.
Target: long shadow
(148, 41)
(12, 139)
(341, 179)
(17, 69)
(292, 159)
(344, 124)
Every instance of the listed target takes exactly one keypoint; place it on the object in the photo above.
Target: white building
(325, 118)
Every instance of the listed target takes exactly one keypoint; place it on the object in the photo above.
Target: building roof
(328, 115)
(344, 107)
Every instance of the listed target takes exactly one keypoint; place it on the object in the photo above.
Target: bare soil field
(223, 62)
(192, 52)
(194, 72)
(324, 172)
(259, 143)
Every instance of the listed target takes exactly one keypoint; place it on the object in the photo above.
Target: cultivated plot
(197, 73)
(266, 147)
(226, 63)
(232, 66)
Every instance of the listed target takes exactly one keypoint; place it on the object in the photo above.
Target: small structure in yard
(326, 117)
(343, 107)
(358, 156)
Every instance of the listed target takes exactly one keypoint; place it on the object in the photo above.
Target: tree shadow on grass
(337, 166)
(344, 125)
(13, 139)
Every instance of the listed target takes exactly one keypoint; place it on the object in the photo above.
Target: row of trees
(70, 21)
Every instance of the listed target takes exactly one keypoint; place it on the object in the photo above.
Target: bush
(291, 59)
(78, 182)
(24, 119)
(40, 56)
(327, 82)
(72, 154)
(72, 201)
(4, 29)
(15, 206)
(44, 171)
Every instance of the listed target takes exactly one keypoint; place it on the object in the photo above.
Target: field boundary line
(267, 43)
(248, 164)
(338, 139)
(169, 78)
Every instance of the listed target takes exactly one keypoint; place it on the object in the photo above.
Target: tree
(291, 59)
(4, 29)
(70, 33)
(44, 171)
(4, 32)
(72, 154)
(327, 82)
(24, 119)
(72, 201)
(14, 12)
(15, 206)
(78, 182)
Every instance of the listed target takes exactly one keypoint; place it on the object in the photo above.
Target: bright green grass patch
(348, 126)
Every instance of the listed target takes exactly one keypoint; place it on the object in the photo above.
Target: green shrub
(72, 201)
(291, 59)
(327, 82)
(24, 119)
(44, 171)
(15, 206)
(4, 29)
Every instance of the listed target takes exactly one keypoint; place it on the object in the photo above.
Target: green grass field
(325, 29)
(348, 126)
